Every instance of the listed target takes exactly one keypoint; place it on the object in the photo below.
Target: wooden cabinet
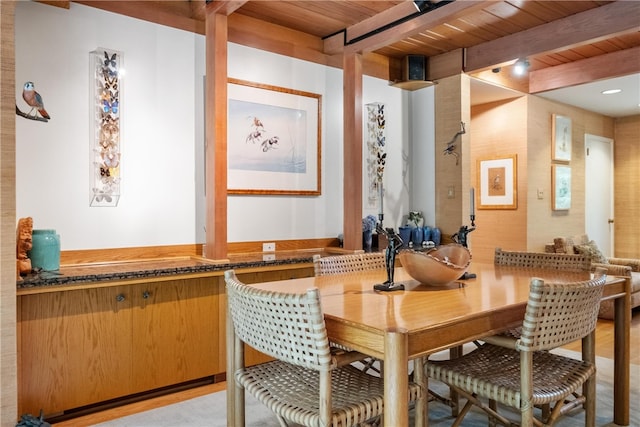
(80, 347)
(74, 348)
(174, 332)
(86, 345)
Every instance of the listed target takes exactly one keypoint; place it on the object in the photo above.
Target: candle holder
(461, 237)
(381, 213)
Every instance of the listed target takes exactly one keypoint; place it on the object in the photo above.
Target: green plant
(415, 217)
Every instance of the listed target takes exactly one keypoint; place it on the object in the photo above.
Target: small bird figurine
(34, 100)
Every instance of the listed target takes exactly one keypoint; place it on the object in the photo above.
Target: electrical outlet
(451, 192)
(540, 193)
(269, 257)
(269, 247)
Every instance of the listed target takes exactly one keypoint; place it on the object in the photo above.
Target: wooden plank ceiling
(556, 37)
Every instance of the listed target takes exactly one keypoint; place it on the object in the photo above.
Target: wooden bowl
(439, 266)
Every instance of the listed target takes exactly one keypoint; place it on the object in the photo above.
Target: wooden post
(216, 134)
(8, 339)
(352, 188)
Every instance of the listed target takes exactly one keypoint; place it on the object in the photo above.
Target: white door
(599, 191)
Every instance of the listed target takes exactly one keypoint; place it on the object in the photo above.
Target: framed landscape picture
(273, 140)
(497, 181)
(560, 138)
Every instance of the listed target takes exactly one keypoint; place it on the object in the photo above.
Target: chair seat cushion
(292, 392)
(493, 372)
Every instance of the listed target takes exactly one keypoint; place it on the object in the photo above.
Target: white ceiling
(587, 96)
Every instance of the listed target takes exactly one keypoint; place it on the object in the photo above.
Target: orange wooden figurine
(23, 245)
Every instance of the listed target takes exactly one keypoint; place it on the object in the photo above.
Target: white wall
(162, 141)
(158, 132)
(423, 186)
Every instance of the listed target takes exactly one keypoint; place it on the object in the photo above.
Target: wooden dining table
(420, 320)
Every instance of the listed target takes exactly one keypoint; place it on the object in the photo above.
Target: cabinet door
(175, 329)
(74, 348)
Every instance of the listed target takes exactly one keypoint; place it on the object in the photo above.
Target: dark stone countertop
(140, 269)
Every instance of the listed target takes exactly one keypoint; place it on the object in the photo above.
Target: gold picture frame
(561, 184)
(273, 140)
(561, 139)
(497, 181)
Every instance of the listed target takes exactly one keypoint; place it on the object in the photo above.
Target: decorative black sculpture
(461, 238)
(393, 247)
(28, 420)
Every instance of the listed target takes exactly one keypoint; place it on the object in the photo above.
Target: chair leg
(590, 409)
(472, 399)
(369, 364)
(493, 405)
(462, 414)
(422, 403)
(546, 411)
(454, 353)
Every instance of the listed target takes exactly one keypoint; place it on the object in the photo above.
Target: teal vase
(45, 252)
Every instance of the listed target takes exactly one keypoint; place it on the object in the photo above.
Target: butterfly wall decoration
(107, 74)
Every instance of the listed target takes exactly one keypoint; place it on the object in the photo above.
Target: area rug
(210, 410)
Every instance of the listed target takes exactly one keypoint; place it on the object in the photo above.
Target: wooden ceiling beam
(65, 4)
(413, 26)
(610, 65)
(596, 24)
(170, 13)
(225, 7)
(198, 9)
(380, 20)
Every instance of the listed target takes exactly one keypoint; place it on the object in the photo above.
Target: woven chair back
(558, 314)
(288, 327)
(338, 264)
(567, 262)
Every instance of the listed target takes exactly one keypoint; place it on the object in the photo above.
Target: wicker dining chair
(518, 372)
(566, 262)
(305, 384)
(351, 263)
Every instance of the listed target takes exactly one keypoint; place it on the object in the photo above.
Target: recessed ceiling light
(611, 91)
